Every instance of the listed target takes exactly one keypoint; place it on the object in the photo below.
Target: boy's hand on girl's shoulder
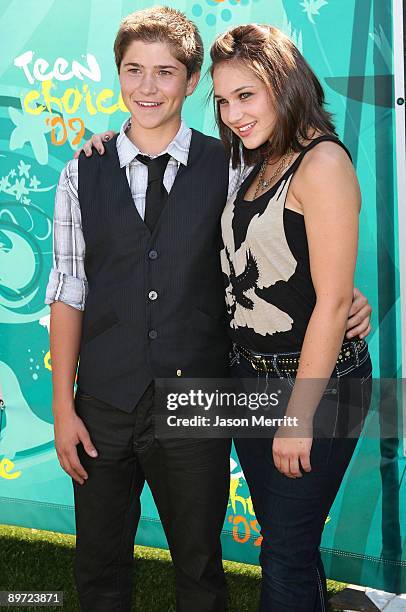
(96, 142)
(69, 432)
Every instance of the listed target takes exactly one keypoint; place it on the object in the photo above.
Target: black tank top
(265, 260)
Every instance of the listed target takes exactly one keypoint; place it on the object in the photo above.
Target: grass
(32, 560)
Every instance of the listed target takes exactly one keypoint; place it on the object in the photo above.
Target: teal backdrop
(49, 106)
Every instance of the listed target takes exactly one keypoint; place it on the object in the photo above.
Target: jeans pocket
(326, 416)
(290, 379)
(285, 377)
(331, 387)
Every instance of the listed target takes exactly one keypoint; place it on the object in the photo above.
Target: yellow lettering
(250, 506)
(48, 99)
(234, 498)
(246, 502)
(71, 107)
(6, 467)
(30, 97)
(88, 100)
(72, 100)
(47, 361)
(104, 95)
(121, 104)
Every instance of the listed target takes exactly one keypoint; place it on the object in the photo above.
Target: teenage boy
(137, 291)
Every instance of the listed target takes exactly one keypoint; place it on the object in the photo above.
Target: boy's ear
(192, 83)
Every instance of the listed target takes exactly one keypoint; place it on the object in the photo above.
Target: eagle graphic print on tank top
(270, 294)
(262, 259)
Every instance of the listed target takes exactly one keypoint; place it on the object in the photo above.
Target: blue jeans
(292, 512)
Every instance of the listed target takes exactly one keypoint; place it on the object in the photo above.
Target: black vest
(156, 301)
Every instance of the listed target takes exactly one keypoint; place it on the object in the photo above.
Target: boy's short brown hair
(162, 24)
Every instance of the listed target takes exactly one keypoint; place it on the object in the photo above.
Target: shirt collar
(178, 148)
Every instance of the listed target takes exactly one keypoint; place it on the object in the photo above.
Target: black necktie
(156, 195)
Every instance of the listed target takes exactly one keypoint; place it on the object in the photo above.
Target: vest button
(153, 334)
(153, 255)
(152, 295)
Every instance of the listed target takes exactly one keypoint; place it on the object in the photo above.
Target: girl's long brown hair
(296, 92)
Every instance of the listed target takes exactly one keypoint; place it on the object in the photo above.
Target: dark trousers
(189, 480)
(292, 512)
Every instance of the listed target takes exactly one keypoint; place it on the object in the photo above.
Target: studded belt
(289, 362)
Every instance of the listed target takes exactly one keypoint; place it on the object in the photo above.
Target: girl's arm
(327, 189)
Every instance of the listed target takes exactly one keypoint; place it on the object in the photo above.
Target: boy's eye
(164, 72)
(135, 70)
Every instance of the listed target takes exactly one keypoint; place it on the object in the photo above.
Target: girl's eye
(221, 102)
(245, 94)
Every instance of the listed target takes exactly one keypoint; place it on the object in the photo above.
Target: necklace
(264, 183)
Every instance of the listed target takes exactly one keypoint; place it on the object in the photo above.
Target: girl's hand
(359, 318)
(290, 454)
(96, 142)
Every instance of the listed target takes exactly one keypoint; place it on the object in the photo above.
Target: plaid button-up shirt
(67, 280)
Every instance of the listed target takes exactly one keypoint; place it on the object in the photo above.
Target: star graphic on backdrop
(24, 169)
(19, 189)
(32, 130)
(312, 7)
(34, 182)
